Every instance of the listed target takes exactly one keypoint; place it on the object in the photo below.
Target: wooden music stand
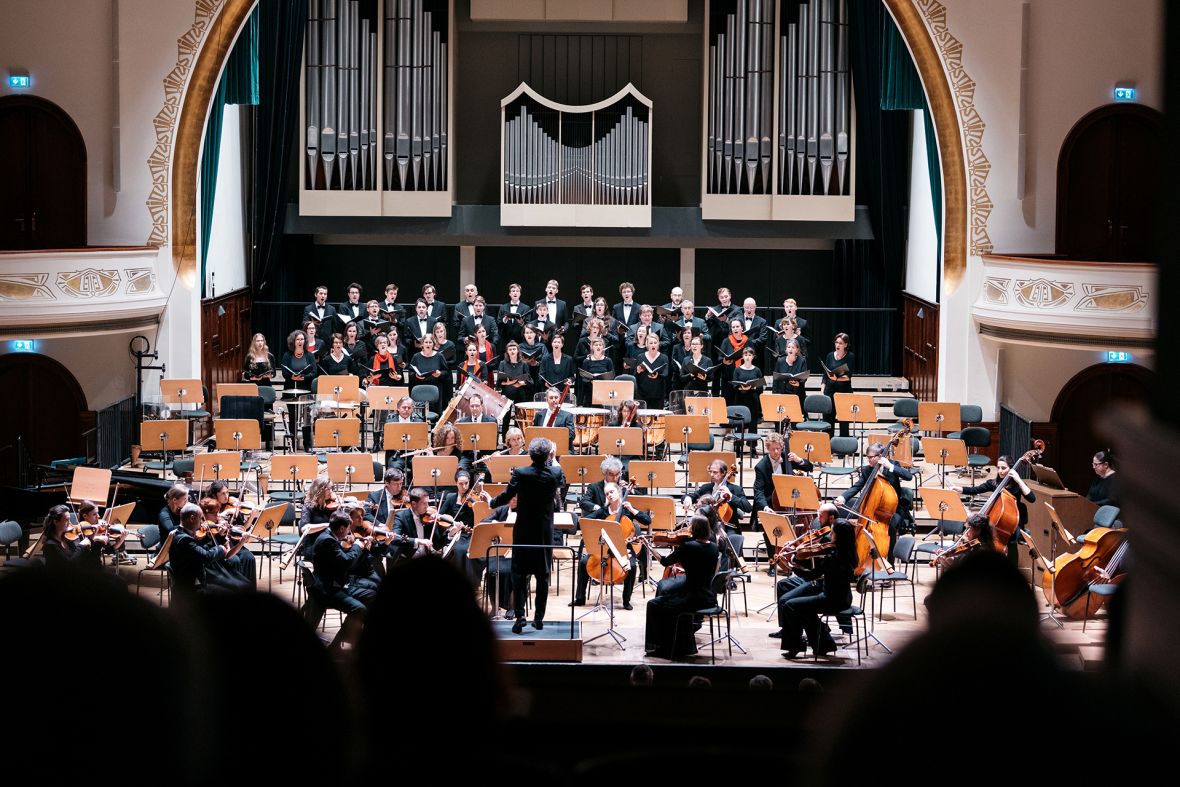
(233, 389)
(621, 440)
(939, 417)
(386, 397)
(337, 433)
(479, 437)
(170, 435)
(581, 468)
(593, 532)
(611, 393)
(346, 468)
(559, 435)
(796, 492)
(778, 529)
(267, 524)
(781, 407)
(411, 437)
(686, 429)
(501, 467)
(663, 510)
(182, 392)
(855, 408)
(812, 446)
(119, 515)
(943, 505)
(712, 407)
(494, 490)
(903, 454)
(338, 387)
(294, 468)
(699, 461)
(943, 451)
(483, 536)
(439, 470)
(237, 434)
(216, 466)
(652, 475)
(480, 510)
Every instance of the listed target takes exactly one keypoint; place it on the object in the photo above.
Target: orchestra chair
(969, 415)
(842, 447)
(159, 563)
(1104, 589)
(904, 408)
(146, 544)
(877, 579)
(737, 432)
(718, 612)
(976, 437)
(859, 626)
(10, 534)
(426, 395)
(925, 551)
(813, 405)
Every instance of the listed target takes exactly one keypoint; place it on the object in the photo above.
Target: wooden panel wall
(919, 360)
(225, 335)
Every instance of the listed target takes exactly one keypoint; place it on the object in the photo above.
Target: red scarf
(379, 359)
(737, 346)
(472, 372)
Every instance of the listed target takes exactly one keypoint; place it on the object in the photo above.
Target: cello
(1001, 509)
(877, 505)
(612, 569)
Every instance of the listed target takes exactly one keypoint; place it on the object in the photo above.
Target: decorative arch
(44, 406)
(225, 18)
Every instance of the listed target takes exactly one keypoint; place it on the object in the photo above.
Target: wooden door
(43, 169)
(1108, 185)
(44, 409)
(919, 363)
(225, 335)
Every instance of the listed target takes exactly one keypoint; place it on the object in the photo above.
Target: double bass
(877, 505)
(1001, 509)
(1098, 562)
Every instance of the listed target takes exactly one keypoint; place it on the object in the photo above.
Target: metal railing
(114, 433)
(1015, 435)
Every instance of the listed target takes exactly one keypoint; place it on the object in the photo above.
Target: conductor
(536, 485)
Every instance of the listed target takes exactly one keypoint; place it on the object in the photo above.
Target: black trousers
(800, 609)
(787, 585)
(520, 583)
(584, 578)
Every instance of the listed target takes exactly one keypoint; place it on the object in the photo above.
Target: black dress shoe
(578, 602)
(627, 605)
(538, 624)
(776, 634)
(518, 626)
(509, 614)
(790, 654)
(826, 649)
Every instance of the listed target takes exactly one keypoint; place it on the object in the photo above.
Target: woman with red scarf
(385, 367)
(487, 350)
(729, 351)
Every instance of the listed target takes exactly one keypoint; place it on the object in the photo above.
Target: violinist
(616, 509)
(800, 575)
(731, 502)
(230, 513)
(319, 503)
(699, 557)
(419, 527)
(197, 562)
(775, 463)
(830, 592)
(88, 514)
(389, 499)
(334, 555)
(65, 545)
(1022, 493)
(367, 572)
(460, 507)
(169, 518)
(892, 473)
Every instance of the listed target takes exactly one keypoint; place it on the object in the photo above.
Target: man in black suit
(435, 309)
(717, 317)
(352, 309)
(320, 311)
(893, 473)
(537, 486)
(753, 326)
(387, 498)
(790, 309)
(627, 311)
(476, 415)
(416, 326)
(477, 318)
(554, 415)
(774, 463)
(200, 565)
(558, 313)
(422, 538)
(738, 502)
(463, 310)
(332, 590)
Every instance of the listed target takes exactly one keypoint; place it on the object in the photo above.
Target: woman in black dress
(337, 360)
(319, 503)
(315, 345)
(831, 593)
(664, 638)
(729, 351)
(593, 328)
(842, 382)
(260, 363)
(791, 362)
(299, 366)
(356, 347)
(444, 346)
(384, 368)
(473, 367)
(1104, 490)
(514, 376)
(429, 368)
(695, 381)
(557, 368)
(595, 363)
(633, 350)
(748, 395)
(532, 352)
(651, 374)
(65, 545)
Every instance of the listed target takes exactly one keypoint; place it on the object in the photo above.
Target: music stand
(338, 387)
(412, 436)
(382, 399)
(778, 529)
(943, 451)
(800, 490)
(597, 532)
(939, 417)
(812, 446)
(652, 475)
(345, 468)
(435, 468)
(558, 435)
(663, 518)
(172, 435)
(337, 433)
(581, 468)
(621, 440)
(477, 437)
(781, 408)
(698, 464)
(903, 454)
(712, 407)
(855, 408)
(221, 390)
(293, 468)
(1057, 527)
(483, 536)
(216, 466)
(244, 435)
(501, 467)
(182, 392)
(120, 514)
(691, 429)
(268, 522)
(611, 393)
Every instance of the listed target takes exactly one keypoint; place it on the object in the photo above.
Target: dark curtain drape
(280, 50)
(869, 273)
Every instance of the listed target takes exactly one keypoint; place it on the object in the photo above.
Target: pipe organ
(580, 166)
(779, 123)
(377, 139)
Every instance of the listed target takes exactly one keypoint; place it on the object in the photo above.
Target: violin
(809, 546)
(945, 557)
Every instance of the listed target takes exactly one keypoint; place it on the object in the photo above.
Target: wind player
(553, 415)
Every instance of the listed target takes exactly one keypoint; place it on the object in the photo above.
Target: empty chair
(10, 534)
(426, 395)
(813, 405)
(969, 415)
(904, 408)
(842, 447)
(976, 437)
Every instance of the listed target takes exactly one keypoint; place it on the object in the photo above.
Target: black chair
(904, 408)
(842, 447)
(426, 395)
(251, 408)
(860, 628)
(738, 425)
(877, 580)
(813, 405)
(976, 437)
(10, 535)
(717, 612)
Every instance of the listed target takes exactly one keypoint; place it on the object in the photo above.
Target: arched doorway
(43, 169)
(1080, 407)
(1108, 184)
(44, 410)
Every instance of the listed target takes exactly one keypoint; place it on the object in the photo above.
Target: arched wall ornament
(188, 90)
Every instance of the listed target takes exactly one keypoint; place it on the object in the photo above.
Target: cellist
(616, 509)
(892, 473)
(1023, 496)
